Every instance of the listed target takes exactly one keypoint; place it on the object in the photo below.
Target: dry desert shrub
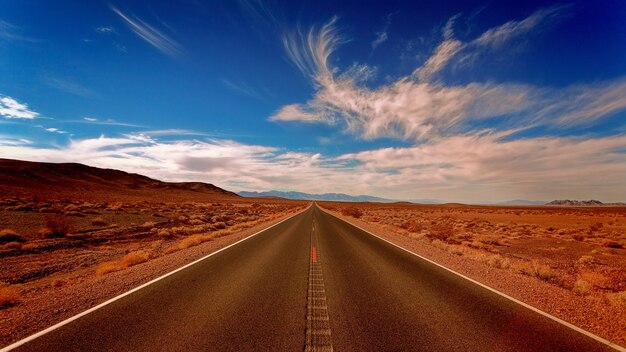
(413, 226)
(56, 226)
(582, 287)
(9, 295)
(57, 283)
(9, 235)
(352, 211)
(187, 242)
(618, 299)
(595, 279)
(128, 260)
(586, 259)
(134, 258)
(611, 244)
(11, 245)
(29, 246)
(536, 269)
(98, 221)
(108, 267)
(441, 230)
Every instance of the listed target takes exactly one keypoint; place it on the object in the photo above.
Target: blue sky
(462, 101)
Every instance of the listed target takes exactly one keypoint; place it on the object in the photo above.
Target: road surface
(315, 281)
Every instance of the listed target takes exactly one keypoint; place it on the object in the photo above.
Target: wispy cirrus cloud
(151, 35)
(421, 107)
(12, 32)
(261, 94)
(10, 108)
(383, 34)
(105, 30)
(69, 86)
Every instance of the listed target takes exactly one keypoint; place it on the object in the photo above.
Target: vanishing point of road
(313, 283)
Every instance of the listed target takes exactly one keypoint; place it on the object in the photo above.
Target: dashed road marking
(318, 335)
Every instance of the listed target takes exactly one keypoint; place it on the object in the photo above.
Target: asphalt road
(253, 297)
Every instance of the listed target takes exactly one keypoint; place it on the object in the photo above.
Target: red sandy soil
(569, 262)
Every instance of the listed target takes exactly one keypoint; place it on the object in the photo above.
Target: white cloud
(443, 54)
(105, 29)
(471, 167)
(90, 119)
(420, 108)
(12, 109)
(151, 35)
(381, 37)
(500, 35)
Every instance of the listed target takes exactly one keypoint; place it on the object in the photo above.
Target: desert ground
(48, 248)
(73, 236)
(567, 261)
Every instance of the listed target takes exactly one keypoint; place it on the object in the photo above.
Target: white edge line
(93, 309)
(536, 310)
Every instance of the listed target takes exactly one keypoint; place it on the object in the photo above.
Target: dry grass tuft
(582, 287)
(442, 231)
(352, 211)
(9, 295)
(129, 259)
(536, 269)
(134, 258)
(98, 221)
(611, 244)
(108, 267)
(9, 235)
(56, 226)
(187, 242)
(618, 299)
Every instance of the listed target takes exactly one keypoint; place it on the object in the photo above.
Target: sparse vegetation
(8, 235)
(352, 211)
(9, 295)
(98, 221)
(128, 260)
(56, 226)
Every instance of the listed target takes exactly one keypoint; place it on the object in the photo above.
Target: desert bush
(29, 246)
(611, 244)
(413, 226)
(586, 259)
(98, 221)
(9, 295)
(219, 225)
(442, 231)
(108, 267)
(57, 283)
(134, 258)
(148, 224)
(595, 279)
(9, 235)
(56, 226)
(498, 261)
(129, 259)
(11, 245)
(536, 269)
(582, 287)
(617, 298)
(187, 242)
(352, 211)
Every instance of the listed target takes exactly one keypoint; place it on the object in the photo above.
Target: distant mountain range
(341, 197)
(584, 203)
